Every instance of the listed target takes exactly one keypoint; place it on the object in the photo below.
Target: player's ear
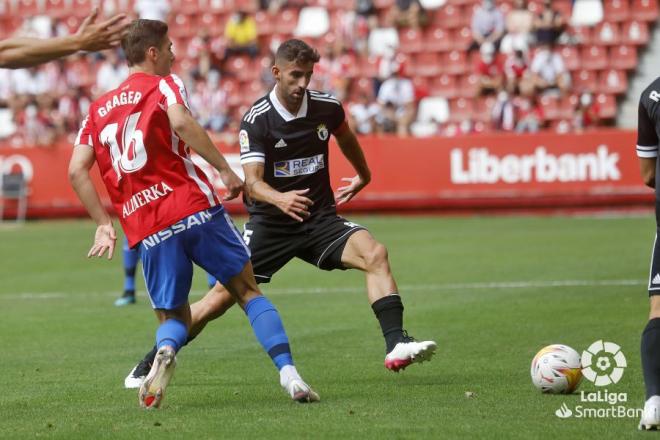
(276, 72)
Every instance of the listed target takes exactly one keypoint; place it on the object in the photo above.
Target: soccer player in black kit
(284, 152)
(648, 128)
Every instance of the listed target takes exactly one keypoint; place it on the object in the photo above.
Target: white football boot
(152, 389)
(137, 375)
(651, 415)
(295, 387)
(408, 352)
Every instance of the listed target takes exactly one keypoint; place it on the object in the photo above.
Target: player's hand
(295, 204)
(232, 182)
(99, 36)
(104, 239)
(346, 193)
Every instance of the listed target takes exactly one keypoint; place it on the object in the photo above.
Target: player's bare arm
(198, 139)
(647, 170)
(351, 149)
(105, 237)
(25, 52)
(292, 203)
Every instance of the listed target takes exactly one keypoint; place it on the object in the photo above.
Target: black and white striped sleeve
(647, 138)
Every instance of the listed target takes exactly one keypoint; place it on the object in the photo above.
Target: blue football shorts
(207, 238)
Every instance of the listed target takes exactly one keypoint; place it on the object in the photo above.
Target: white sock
(287, 373)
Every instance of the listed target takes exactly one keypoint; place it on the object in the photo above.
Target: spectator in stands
(205, 52)
(209, 102)
(366, 12)
(519, 27)
(487, 25)
(489, 70)
(529, 114)
(503, 114)
(406, 13)
(516, 73)
(549, 24)
(362, 114)
(548, 70)
(586, 112)
(153, 9)
(331, 72)
(111, 73)
(241, 35)
(396, 98)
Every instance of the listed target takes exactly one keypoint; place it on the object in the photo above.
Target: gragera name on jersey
(196, 219)
(299, 167)
(478, 165)
(141, 198)
(123, 98)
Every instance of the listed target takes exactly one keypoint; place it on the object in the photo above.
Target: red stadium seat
(616, 10)
(186, 6)
(607, 106)
(623, 57)
(445, 85)
(570, 56)
(410, 41)
(582, 34)
(584, 80)
(286, 22)
(27, 7)
(461, 38)
(265, 23)
(56, 8)
(449, 17)
(427, 64)
(550, 106)
(594, 57)
(564, 7)
(368, 66)
(183, 27)
(635, 32)
(222, 6)
(613, 81)
(362, 86)
(437, 39)
(383, 4)
(468, 86)
(483, 108)
(455, 62)
(567, 106)
(230, 86)
(461, 109)
(646, 10)
(607, 34)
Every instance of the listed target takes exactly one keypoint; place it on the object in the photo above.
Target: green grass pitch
(490, 290)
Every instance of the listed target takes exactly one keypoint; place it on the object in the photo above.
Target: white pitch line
(402, 288)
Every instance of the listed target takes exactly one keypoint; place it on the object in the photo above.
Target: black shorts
(319, 241)
(654, 273)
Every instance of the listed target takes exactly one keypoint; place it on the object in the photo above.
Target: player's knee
(376, 256)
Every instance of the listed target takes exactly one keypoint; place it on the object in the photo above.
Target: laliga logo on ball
(603, 363)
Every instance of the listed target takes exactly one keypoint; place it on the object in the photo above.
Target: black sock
(129, 293)
(389, 311)
(651, 357)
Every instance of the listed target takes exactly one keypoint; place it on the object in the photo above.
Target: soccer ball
(556, 369)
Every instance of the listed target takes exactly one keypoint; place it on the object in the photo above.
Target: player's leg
(363, 252)
(650, 347)
(231, 266)
(131, 258)
(168, 276)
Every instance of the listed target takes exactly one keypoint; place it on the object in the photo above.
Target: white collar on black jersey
(286, 115)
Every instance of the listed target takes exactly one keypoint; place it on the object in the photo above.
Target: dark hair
(140, 36)
(298, 51)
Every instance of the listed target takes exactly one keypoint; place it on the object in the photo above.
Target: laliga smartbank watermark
(603, 364)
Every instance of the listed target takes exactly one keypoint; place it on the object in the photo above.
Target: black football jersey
(292, 148)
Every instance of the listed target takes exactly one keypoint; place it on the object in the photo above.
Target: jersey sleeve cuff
(647, 152)
(253, 158)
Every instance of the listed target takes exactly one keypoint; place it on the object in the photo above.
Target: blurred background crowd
(404, 67)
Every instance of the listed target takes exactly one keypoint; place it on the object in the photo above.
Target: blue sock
(172, 332)
(268, 328)
(211, 279)
(131, 257)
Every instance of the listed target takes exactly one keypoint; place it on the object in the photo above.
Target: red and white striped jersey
(146, 168)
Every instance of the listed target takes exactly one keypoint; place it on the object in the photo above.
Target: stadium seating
(602, 50)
